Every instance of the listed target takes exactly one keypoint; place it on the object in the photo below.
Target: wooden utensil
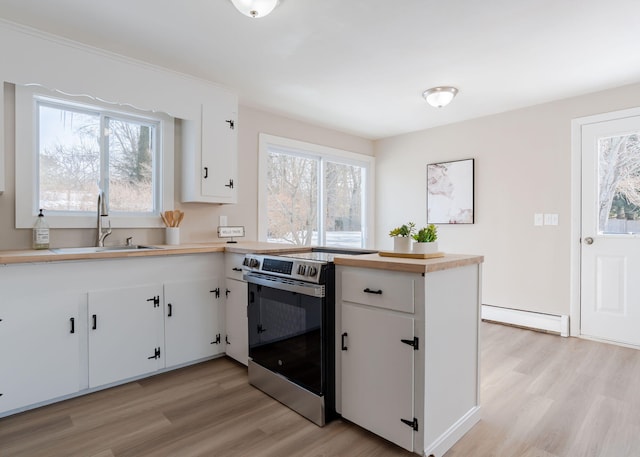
(180, 219)
(176, 217)
(164, 219)
(169, 217)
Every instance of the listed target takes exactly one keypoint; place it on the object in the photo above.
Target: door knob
(588, 240)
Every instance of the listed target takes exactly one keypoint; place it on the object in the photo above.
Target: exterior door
(610, 252)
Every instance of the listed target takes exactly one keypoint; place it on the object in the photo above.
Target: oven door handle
(298, 287)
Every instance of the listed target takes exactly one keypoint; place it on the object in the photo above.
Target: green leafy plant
(426, 234)
(404, 230)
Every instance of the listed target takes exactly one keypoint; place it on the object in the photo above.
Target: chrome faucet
(102, 212)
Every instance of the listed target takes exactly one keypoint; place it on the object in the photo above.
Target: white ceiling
(360, 66)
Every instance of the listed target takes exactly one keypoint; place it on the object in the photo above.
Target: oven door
(286, 334)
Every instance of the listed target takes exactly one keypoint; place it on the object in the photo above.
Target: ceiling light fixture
(255, 8)
(440, 96)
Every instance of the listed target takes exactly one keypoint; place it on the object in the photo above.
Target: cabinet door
(39, 348)
(192, 321)
(236, 320)
(219, 149)
(377, 372)
(125, 333)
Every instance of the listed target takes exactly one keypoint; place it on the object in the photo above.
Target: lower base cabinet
(96, 323)
(378, 372)
(407, 359)
(237, 334)
(192, 321)
(125, 333)
(39, 347)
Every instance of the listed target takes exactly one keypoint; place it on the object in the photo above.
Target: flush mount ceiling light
(439, 96)
(255, 8)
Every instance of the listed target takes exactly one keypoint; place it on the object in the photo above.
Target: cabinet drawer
(384, 289)
(233, 266)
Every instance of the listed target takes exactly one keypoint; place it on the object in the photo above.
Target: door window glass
(619, 190)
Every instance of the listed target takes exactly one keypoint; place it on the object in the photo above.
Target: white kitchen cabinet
(210, 152)
(192, 322)
(377, 376)
(43, 362)
(125, 333)
(378, 371)
(40, 336)
(237, 334)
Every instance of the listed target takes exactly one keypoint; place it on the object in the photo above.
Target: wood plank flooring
(542, 396)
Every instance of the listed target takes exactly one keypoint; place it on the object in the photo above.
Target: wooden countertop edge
(409, 265)
(34, 256)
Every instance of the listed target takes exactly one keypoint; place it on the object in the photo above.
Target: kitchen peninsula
(407, 355)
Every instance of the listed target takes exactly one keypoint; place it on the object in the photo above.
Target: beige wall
(201, 220)
(522, 166)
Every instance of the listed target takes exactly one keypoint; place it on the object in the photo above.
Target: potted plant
(402, 237)
(426, 240)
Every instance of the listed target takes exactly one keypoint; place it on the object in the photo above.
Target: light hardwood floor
(542, 396)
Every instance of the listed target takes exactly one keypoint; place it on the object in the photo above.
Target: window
(79, 149)
(313, 195)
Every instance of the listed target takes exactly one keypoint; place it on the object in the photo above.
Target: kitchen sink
(94, 249)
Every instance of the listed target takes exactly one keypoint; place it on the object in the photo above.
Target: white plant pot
(425, 248)
(401, 244)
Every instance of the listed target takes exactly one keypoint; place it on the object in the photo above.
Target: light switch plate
(222, 221)
(537, 219)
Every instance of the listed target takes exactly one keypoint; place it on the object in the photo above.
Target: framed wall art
(450, 192)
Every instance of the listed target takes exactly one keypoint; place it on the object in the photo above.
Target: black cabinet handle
(230, 185)
(206, 172)
(95, 322)
(344, 344)
(170, 310)
(232, 124)
(369, 291)
(73, 324)
(236, 269)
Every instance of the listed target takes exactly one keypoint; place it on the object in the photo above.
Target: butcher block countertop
(37, 256)
(408, 265)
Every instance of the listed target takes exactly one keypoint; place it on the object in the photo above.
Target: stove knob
(254, 263)
(302, 269)
(245, 262)
(312, 271)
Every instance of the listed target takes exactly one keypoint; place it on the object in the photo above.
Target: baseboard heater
(529, 319)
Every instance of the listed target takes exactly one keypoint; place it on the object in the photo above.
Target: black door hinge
(232, 124)
(217, 340)
(156, 354)
(227, 292)
(411, 423)
(230, 185)
(155, 300)
(226, 339)
(415, 342)
(216, 291)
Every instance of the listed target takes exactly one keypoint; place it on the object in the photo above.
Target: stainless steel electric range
(291, 314)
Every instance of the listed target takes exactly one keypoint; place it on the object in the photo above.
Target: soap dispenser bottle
(40, 233)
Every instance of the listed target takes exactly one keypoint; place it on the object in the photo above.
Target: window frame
(325, 154)
(27, 177)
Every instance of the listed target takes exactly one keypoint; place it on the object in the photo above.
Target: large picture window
(313, 195)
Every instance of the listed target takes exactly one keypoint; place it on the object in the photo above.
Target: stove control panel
(303, 270)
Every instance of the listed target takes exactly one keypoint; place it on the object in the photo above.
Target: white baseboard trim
(441, 445)
(539, 321)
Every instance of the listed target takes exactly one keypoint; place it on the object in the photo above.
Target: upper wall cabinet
(210, 152)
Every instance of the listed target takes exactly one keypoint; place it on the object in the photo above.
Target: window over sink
(74, 147)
